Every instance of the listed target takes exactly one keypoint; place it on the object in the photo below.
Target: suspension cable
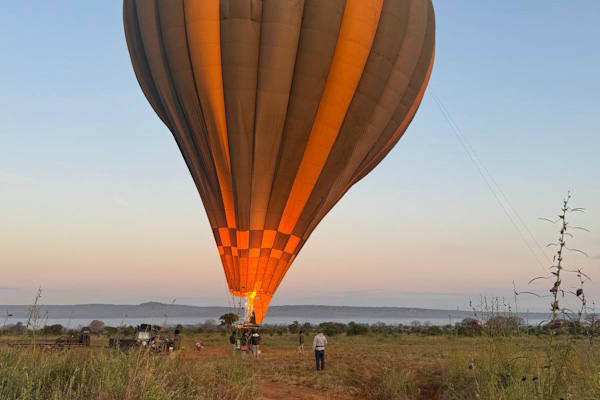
(488, 178)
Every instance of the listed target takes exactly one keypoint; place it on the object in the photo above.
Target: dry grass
(98, 373)
(367, 367)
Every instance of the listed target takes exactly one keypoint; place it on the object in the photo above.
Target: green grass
(373, 366)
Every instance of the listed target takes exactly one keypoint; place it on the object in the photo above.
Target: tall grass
(373, 366)
(515, 369)
(35, 375)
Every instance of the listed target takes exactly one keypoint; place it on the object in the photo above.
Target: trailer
(64, 342)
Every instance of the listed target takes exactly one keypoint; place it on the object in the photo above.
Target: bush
(56, 329)
(111, 331)
(332, 328)
(472, 331)
(355, 329)
(127, 331)
(433, 331)
(294, 328)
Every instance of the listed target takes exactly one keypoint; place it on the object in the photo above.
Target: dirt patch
(286, 391)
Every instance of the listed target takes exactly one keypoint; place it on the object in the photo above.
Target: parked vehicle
(146, 336)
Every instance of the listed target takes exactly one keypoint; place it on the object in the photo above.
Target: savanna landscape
(468, 362)
(302, 167)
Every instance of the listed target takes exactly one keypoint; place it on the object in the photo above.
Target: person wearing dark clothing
(255, 340)
(244, 344)
(232, 342)
(177, 340)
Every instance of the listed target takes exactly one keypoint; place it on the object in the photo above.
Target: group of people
(248, 342)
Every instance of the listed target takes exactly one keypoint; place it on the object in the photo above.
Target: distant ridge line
(312, 311)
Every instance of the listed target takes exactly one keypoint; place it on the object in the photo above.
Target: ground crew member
(177, 340)
(255, 339)
(244, 344)
(319, 344)
(300, 342)
(232, 340)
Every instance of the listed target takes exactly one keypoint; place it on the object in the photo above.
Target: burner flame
(249, 307)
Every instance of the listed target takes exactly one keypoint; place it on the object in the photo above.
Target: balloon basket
(247, 326)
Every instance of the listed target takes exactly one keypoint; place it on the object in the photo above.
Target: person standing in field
(255, 339)
(177, 340)
(232, 342)
(300, 342)
(244, 344)
(249, 342)
(319, 343)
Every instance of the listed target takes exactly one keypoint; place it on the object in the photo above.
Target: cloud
(9, 288)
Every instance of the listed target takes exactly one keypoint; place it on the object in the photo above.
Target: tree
(16, 328)
(306, 327)
(228, 319)
(355, 329)
(55, 329)
(209, 324)
(111, 330)
(416, 323)
(294, 327)
(127, 330)
(332, 328)
(96, 326)
(500, 323)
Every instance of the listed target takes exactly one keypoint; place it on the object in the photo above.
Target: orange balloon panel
(278, 108)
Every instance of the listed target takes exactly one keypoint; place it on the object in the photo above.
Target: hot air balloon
(278, 108)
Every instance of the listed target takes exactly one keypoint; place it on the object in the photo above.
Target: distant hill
(300, 312)
(99, 311)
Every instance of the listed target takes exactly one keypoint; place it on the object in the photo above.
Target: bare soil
(286, 391)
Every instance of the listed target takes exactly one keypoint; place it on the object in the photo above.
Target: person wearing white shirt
(319, 343)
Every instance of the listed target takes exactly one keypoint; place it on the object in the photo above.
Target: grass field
(373, 366)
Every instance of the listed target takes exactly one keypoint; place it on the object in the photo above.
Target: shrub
(472, 330)
(355, 329)
(433, 331)
(332, 328)
(56, 329)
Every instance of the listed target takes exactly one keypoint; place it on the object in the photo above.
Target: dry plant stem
(5, 321)
(70, 318)
(561, 244)
(556, 289)
(164, 327)
(32, 318)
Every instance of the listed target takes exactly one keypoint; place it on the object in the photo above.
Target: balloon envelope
(278, 108)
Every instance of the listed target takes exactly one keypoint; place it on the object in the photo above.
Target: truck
(146, 336)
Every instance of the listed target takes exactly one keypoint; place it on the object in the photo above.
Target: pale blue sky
(92, 185)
